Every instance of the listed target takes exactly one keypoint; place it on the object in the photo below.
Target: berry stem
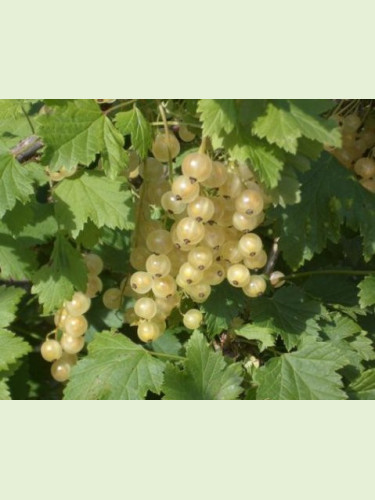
(203, 146)
(175, 123)
(28, 120)
(166, 130)
(347, 272)
(121, 105)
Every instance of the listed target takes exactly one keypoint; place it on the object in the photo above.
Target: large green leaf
(264, 159)
(205, 374)
(330, 197)
(265, 335)
(314, 127)
(278, 127)
(367, 291)
(15, 183)
(289, 313)
(4, 390)
(17, 258)
(115, 368)
(222, 306)
(309, 373)
(11, 348)
(56, 281)
(134, 123)
(10, 108)
(76, 132)
(92, 196)
(217, 116)
(9, 299)
(364, 386)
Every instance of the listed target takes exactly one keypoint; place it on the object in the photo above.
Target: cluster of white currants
(356, 153)
(71, 324)
(205, 236)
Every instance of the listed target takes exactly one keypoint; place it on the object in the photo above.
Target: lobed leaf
(115, 368)
(205, 374)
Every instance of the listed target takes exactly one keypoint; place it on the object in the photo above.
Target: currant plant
(187, 249)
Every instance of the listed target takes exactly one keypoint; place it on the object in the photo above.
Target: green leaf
(92, 196)
(168, 343)
(11, 348)
(288, 313)
(330, 197)
(56, 281)
(278, 127)
(265, 336)
(264, 160)
(364, 386)
(9, 299)
(4, 391)
(332, 289)
(134, 123)
(115, 368)
(205, 374)
(367, 292)
(115, 158)
(222, 306)
(10, 108)
(15, 183)
(17, 259)
(309, 373)
(217, 116)
(76, 132)
(341, 327)
(315, 128)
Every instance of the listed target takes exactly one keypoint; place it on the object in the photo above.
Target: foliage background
(313, 337)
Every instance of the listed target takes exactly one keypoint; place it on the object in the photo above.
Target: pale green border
(197, 49)
(187, 450)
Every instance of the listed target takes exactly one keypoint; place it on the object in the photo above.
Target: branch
(25, 284)
(27, 148)
(272, 257)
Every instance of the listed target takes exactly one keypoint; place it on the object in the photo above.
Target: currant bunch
(71, 324)
(358, 148)
(205, 235)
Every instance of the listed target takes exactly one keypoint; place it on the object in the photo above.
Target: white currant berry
(165, 147)
(164, 287)
(184, 189)
(238, 275)
(277, 279)
(75, 325)
(51, 350)
(202, 209)
(141, 282)
(71, 344)
(148, 331)
(201, 257)
(197, 166)
(192, 319)
(78, 305)
(255, 287)
(145, 308)
(250, 245)
(112, 298)
(158, 265)
(93, 263)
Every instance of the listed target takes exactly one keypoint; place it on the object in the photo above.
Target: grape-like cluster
(357, 151)
(204, 236)
(71, 324)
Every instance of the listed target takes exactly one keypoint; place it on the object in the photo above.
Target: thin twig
(272, 259)
(27, 148)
